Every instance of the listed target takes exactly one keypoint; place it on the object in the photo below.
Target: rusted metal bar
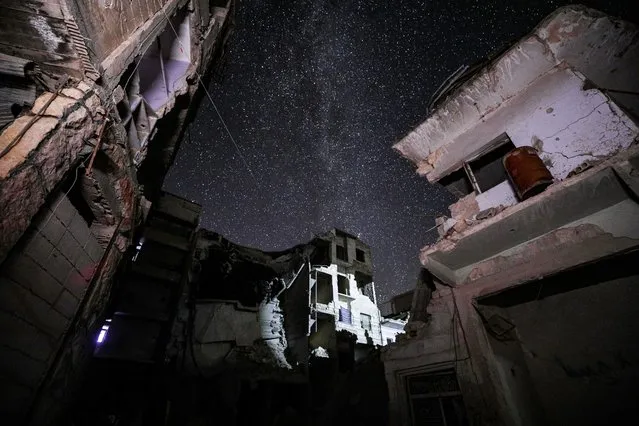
(472, 178)
(96, 148)
(39, 114)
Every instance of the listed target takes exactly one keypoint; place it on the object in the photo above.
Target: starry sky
(315, 93)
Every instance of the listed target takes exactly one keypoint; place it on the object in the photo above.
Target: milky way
(315, 93)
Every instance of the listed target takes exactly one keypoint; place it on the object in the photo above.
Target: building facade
(252, 321)
(343, 295)
(94, 97)
(530, 317)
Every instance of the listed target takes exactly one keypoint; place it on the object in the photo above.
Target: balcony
(580, 219)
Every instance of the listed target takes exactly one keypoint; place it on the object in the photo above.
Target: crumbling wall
(42, 32)
(46, 145)
(111, 22)
(611, 48)
(606, 50)
(567, 330)
(42, 283)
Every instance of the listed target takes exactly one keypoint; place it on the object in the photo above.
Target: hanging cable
(199, 78)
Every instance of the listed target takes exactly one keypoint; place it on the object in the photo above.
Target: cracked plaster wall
(567, 124)
(112, 22)
(604, 49)
(32, 169)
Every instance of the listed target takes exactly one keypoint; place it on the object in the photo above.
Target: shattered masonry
(518, 283)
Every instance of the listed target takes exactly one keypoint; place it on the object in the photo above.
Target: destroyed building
(532, 299)
(259, 321)
(93, 100)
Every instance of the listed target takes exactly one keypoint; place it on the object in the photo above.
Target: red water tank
(528, 173)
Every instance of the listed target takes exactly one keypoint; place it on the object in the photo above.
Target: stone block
(73, 92)
(23, 304)
(57, 108)
(80, 230)
(67, 304)
(35, 134)
(76, 284)
(52, 229)
(93, 102)
(63, 209)
(58, 266)
(76, 118)
(83, 87)
(70, 248)
(38, 247)
(26, 272)
(19, 368)
(22, 336)
(94, 249)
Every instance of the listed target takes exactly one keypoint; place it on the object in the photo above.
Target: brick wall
(41, 284)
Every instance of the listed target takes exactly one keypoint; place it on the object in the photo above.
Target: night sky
(315, 93)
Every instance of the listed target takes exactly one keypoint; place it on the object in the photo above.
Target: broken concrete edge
(466, 211)
(73, 352)
(545, 33)
(137, 43)
(47, 151)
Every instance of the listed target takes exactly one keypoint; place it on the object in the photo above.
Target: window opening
(435, 399)
(340, 251)
(366, 322)
(481, 173)
(324, 288)
(360, 255)
(343, 285)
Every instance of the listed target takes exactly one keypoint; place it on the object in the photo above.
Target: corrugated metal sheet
(14, 87)
(35, 30)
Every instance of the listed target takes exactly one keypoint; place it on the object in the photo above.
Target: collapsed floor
(202, 331)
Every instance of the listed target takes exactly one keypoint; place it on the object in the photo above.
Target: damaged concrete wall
(41, 32)
(594, 316)
(73, 140)
(429, 146)
(111, 22)
(543, 235)
(559, 115)
(253, 309)
(42, 284)
(295, 306)
(611, 48)
(40, 148)
(567, 123)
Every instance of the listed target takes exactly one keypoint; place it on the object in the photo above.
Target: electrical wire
(199, 78)
(75, 179)
(469, 357)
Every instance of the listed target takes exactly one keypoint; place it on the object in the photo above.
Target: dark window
(340, 252)
(366, 322)
(360, 255)
(435, 399)
(324, 289)
(73, 189)
(342, 285)
(487, 170)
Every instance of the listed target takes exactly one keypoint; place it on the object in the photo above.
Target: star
(315, 93)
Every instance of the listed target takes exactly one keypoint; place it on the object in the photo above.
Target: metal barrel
(528, 173)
